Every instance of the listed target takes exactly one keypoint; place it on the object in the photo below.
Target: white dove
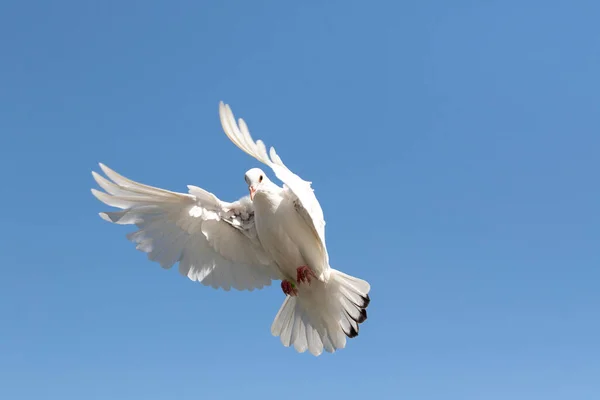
(274, 233)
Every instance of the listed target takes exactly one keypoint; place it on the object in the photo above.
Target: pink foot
(304, 274)
(288, 288)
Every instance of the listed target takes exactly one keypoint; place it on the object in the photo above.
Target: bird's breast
(277, 230)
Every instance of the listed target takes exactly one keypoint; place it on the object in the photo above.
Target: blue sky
(453, 146)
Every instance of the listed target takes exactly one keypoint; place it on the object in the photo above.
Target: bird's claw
(304, 274)
(289, 288)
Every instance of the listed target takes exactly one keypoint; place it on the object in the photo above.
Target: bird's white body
(248, 243)
(285, 235)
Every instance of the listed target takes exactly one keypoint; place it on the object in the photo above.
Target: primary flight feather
(274, 233)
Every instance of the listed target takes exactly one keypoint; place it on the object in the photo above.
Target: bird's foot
(304, 274)
(289, 288)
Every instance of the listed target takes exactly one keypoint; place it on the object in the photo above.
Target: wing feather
(214, 242)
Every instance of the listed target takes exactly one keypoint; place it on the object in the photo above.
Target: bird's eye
(260, 179)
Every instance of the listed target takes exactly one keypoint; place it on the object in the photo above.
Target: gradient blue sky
(454, 147)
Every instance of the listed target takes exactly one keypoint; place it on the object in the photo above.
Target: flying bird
(273, 233)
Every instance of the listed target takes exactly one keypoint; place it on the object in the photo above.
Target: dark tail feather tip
(362, 317)
(353, 332)
(366, 300)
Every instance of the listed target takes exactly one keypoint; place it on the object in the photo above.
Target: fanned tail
(323, 314)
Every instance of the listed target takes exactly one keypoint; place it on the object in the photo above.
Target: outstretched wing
(214, 242)
(301, 191)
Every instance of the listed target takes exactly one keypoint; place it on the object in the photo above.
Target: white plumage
(247, 243)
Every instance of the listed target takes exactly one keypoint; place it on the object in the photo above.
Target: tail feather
(323, 314)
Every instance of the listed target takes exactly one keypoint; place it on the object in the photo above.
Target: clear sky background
(454, 147)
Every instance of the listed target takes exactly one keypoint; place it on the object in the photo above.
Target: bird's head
(256, 179)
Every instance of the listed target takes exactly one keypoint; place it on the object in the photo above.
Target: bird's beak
(252, 192)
